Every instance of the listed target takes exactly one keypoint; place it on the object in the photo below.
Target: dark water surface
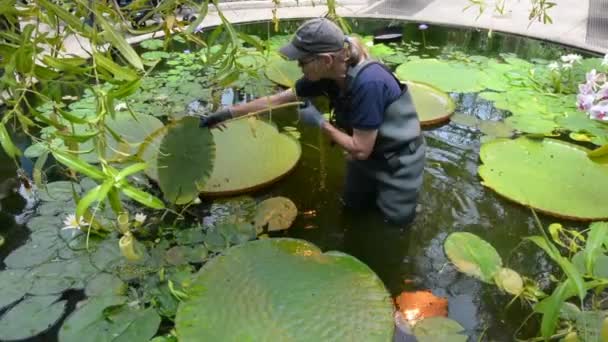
(452, 199)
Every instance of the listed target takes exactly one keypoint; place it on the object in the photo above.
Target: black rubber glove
(215, 118)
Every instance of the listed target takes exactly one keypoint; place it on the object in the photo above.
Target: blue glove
(310, 115)
(215, 118)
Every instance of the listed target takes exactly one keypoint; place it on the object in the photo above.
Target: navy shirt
(374, 89)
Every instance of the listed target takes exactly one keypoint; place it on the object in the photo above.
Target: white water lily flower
(70, 222)
(140, 218)
(120, 106)
(567, 66)
(571, 58)
(553, 66)
(605, 60)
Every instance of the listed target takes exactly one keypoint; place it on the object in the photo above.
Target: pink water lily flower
(594, 78)
(585, 89)
(584, 102)
(599, 111)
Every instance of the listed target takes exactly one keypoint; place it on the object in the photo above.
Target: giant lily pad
(14, 286)
(473, 256)
(31, 317)
(285, 289)
(117, 323)
(282, 71)
(551, 176)
(433, 105)
(250, 154)
(185, 159)
(277, 212)
(447, 76)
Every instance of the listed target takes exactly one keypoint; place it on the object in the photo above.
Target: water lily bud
(127, 248)
(123, 222)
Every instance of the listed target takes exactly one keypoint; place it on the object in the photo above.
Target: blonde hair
(355, 51)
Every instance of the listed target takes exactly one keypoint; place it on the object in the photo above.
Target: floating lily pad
(250, 155)
(185, 159)
(496, 129)
(277, 212)
(106, 318)
(473, 256)
(433, 105)
(439, 329)
(465, 120)
(31, 317)
(41, 247)
(14, 286)
(509, 281)
(578, 122)
(447, 76)
(58, 191)
(282, 71)
(105, 284)
(551, 176)
(285, 283)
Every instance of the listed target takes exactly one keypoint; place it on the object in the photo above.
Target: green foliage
(30, 317)
(285, 281)
(526, 171)
(439, 329)
(473, 256)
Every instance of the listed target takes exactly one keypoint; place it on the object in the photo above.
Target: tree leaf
(119, 42)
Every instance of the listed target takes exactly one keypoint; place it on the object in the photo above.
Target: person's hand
(215, 118)
(310, 115)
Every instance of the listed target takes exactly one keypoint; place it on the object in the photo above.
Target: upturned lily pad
(185, 160)
(277, 212)
(285, 289)
(108, 318)
(473, 256)
(551, 176)
(31, 317)
(447, 76)
(282, 71)
(509, 281)
(439, 329)
(14, 286)
(250, 155)
(433, 105)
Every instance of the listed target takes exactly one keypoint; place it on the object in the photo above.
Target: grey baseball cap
(314, 36)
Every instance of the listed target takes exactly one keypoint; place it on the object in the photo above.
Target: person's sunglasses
(304, 62)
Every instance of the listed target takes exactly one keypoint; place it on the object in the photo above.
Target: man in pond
(374, 121)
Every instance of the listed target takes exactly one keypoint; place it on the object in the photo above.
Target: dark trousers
(393, 189)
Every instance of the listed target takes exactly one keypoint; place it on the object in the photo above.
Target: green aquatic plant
(526, 171)
(285, 281)
(582, 274)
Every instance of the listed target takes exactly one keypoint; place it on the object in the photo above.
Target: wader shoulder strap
(353, 73)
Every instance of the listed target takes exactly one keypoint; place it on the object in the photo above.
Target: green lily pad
(509, 281)
(447, 76)
(152, 44)
(532, 124)
(282, 71)
(578, 122)
(14, 286)
(185, 159)
(439, 329)
(473, 256)
(433, 105)
(250, 154)
(58, 191)
(276, 295)
(108, 318)
(105, 284)
(551, 176)
(496, 129)
(31, 317)
(41, 247)
(277, 212)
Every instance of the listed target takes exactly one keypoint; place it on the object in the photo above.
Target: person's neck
(340, 77)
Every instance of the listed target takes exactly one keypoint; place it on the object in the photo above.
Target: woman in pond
(375, 119)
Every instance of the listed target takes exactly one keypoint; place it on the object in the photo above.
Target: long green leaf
(72, 65)
(7, 143)
(200, 16)
(73, 21)
(119, 72)
(120, 43)
(143, 197)
(565, 265)
(595, 239)
(129, 170)
(552, 306)
(70, 117)
(97, 194)
(37, 172)
(77, 137)
(78, 165)
(125, 90)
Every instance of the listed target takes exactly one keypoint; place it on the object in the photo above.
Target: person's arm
(360, 145)
(261, 103)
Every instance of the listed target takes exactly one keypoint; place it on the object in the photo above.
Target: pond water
(452, 198)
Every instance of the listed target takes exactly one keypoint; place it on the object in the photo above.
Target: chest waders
(392, 175)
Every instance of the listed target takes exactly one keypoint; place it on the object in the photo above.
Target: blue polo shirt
(373, 91)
